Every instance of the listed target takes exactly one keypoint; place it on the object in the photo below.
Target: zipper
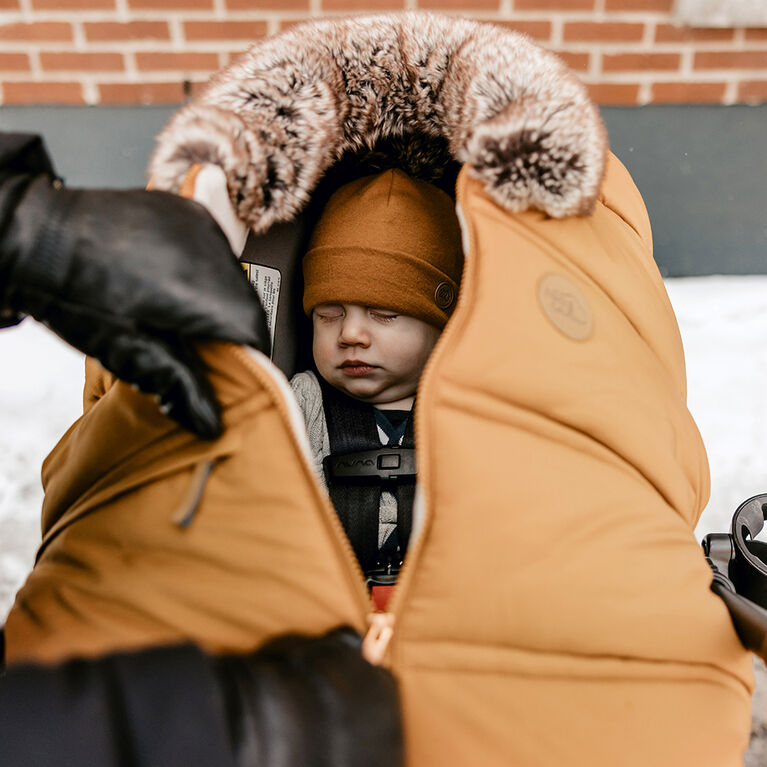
(379, 621)
(380, 624)
(377, 639)
(274, 386)
(379, 634)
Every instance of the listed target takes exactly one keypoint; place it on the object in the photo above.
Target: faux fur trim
(284, 112)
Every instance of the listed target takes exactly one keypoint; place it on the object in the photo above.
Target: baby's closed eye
(328, 312)
(382, 316)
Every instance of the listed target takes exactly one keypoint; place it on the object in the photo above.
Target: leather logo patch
(565, 306)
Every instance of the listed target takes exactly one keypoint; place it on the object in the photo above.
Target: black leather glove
(132, 278)
(297, 702)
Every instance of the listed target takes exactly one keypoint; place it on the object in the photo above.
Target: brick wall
(153, 51)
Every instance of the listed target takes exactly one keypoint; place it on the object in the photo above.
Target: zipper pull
(377, 639)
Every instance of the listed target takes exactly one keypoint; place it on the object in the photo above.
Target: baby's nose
(353, 333)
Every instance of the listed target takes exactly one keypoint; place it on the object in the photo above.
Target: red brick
(55, 61)
(753, 92)
(42, 93)
(553, 5)
(578, 61)
(614, 93)
(147, 60)
(224, 30)
(9, 5)
(688, 93)
(660, 6)
(142, 93)
(271, 5)
(100, 31)
(362, 5)
(538, 30)
(623, 62)
(166, 5)
(608, 31)
(47, 31)
(66, 5)
(287, 23)
(14, 62)
(668, 33)
(232, 55)
(730, 60)
(759, 33)
(450, 5)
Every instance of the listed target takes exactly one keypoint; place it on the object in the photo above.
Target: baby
(381, 279)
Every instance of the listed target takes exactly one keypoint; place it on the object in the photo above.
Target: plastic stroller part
(749, 619)
(739, 562)
(272, 262)
(748, 569)
(739, 555)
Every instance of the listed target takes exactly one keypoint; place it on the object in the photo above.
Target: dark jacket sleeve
(22, 157)
(152, 708)
(298, 701)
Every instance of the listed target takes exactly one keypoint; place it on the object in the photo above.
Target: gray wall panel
(93, 146)
(702, 170)
(703, 174)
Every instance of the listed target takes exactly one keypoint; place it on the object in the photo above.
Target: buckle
(387, 464)
(382, 576)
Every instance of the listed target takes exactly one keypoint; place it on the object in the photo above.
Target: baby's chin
(370, 392)
(365, 391)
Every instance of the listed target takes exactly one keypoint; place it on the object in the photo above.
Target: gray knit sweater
(306, 387)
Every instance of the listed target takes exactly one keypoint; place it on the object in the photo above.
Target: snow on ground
(40, 396)
(723, 321)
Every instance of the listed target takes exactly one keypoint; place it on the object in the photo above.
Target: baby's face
(374, 355)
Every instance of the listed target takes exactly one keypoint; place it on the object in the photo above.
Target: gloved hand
(131, 278)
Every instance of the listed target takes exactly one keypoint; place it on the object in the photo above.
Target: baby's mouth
(356, 368)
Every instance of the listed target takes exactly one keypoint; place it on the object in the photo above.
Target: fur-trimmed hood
(432, 89)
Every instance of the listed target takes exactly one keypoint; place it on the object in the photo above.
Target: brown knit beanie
(389, 241)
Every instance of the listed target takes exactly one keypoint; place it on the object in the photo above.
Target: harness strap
(352, 428)
(394, 434)
(404, 436)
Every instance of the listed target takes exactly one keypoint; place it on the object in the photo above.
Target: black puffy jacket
(296, 702)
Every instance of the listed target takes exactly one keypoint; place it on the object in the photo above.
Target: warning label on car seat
(266, 280)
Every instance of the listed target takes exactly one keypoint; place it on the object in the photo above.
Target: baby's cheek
(320, 359)
(318, 347)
